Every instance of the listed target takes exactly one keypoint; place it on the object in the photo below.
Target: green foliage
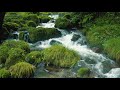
(3, 54)
(4, 73)
(14, 55)
(22, 70)
(34, 57)
(83, 72)
(97, 35)
(32, 17)
(24, 28)
(17, 44)
(60, 56)
(31, 24)
(44, 19)
(63, 23)
(11, 26)
(112, 47)
(38, 34)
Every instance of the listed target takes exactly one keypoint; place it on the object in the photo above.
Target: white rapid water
(100, 66)
(49, 24)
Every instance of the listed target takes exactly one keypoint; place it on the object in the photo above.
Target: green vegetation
(44, 19)
(60, 56)
(42, 34)
(31, 24)
(97, 35)
(22, 70)
(14, 55)
(34, 57)
(112, 47)
(3, 54)
(62, 23)
(83, 72)
(17, 44)
(4, 73)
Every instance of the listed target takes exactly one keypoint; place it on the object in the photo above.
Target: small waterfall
(15, 35)
(26, 36)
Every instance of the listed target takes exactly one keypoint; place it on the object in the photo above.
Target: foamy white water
(95, 61)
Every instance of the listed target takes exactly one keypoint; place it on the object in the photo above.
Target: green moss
(14, 55)
(62, 23)
(22, 70)
(83, 72)
(31, 24)
(39, 34)
(3, 54)
(34, 57)
(32, 17)
(11, 26)
(44, 19)
(60, 56)
(4, 73)
(112, 48)
(17, 44)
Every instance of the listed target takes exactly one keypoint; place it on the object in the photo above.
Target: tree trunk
(2, 14)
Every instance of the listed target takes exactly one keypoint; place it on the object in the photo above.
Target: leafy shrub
(38, 34)
(34, 57)
(22, 70)
(112, 47)
(14, 55)
(60, 56)
(83, 72)
(17, 44)
(4, 73)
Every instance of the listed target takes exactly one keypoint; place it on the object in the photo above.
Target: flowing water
(100, 65)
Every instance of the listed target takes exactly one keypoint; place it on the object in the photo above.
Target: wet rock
(96, 49)
(90, 61)
(108, 65)
(75, 37)
(54, 42)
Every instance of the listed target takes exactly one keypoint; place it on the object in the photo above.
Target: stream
(99, 65)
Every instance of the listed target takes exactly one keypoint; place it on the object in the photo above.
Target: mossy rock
(59, 56)
(32, 17)
(22, 70)
(44, 19)
(62, 23)
(31, 24)
(14, 55)
(40, 34)
(83, 72)
(11, 26)
(4, 73)
(34, 57)
(17, 44)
